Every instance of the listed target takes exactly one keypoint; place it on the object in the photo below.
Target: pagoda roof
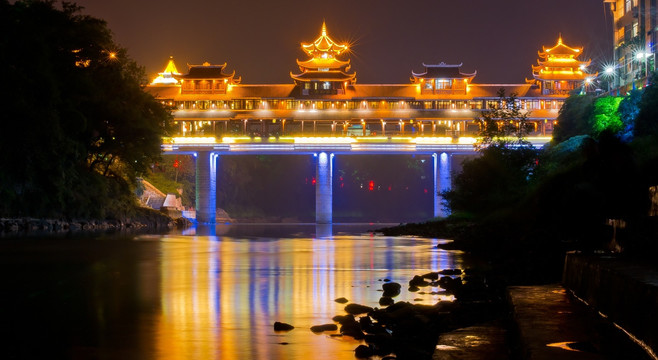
(323, 44)
(324, 76)
(443, 71)
(166, 77)
(561, 63)
(320, 63)
(206, 71)
(574, 76)
(560, 49)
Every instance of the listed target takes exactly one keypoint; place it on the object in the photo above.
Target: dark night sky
(260, 39)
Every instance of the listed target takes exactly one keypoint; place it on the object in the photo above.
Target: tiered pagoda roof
(561, 63)
(168, 76)
(324, 64)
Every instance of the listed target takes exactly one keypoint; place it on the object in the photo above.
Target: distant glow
(324, 140)
(194, 140)
(433, 140)
(467, 140)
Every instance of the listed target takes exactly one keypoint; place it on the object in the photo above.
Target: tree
(605, 117)
(646, 123)
(573, 118)
(77, 127)
(504, 124)
(499, 177)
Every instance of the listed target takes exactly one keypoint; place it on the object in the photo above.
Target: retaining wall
(626, 291)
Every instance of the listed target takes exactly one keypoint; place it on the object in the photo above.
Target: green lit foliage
(77, 127)
(605, 116)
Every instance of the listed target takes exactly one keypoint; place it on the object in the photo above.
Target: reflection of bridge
(208, 149)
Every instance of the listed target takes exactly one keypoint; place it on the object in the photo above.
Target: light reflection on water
(212, 294)
(220, 295)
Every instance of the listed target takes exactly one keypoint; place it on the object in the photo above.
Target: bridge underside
(207, 151)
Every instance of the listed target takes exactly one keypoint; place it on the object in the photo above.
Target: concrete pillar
(442, 181)
(323, 188)
(206, 187)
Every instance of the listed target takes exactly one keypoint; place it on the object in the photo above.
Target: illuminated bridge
(208, 149)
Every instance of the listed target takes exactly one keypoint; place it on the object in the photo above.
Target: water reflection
(220, 295)
(211, 296)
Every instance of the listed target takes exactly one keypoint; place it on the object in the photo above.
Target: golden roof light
(324, 46)
(559, 68)
(324, 66)
(167, 76)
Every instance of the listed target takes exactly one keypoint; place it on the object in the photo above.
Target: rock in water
(356, 309)
(279, 326)
(391, 289)
(341, 300)
(363, 351)
(325, 327)
(385, 301)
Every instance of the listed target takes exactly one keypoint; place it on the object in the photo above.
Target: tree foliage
(504, 124)
(77, 127)
(573, 117)
(605, 116)
(646, 123)
(499, 177)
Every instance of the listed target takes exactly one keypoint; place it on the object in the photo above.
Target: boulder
(356, 309)
(391, 289)
(324, 327)
(279, 326)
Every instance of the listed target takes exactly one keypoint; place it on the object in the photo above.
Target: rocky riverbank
(403, 330)
(143, 220)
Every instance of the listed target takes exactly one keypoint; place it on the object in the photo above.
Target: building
(635, 25)
(559, 72)
(325, 99)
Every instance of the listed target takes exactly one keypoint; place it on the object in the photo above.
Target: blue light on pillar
(323, 190)
(442, 182)
(206, 187)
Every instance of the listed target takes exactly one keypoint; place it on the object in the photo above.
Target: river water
(201, 294)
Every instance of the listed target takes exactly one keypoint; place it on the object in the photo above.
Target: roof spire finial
(324, 28)
(559, 39)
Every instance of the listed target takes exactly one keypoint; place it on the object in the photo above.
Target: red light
(313, 181)
(425, 191)
(176, 163)
(389, 188)
(371, 185)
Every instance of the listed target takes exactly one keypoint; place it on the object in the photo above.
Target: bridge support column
(323, 188)
(206, 187)
(442, 181)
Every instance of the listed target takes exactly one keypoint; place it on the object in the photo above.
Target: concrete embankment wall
(623, 290)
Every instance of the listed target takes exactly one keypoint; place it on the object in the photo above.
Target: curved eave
(189, 66)
(463, 76)
(563, 77)
(315, 63)
(304, 77)
(443, 65)
(560, 48)
(221, 76)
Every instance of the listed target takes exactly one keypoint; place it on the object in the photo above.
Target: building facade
(324, 98)
(635, 25)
